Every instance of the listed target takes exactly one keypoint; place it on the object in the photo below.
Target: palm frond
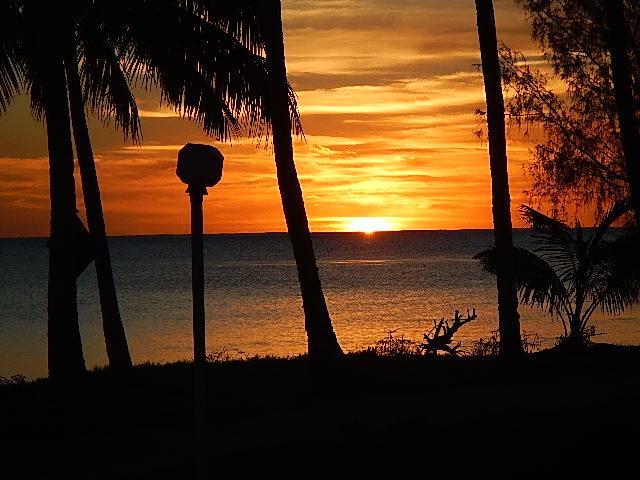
(543, 224)
(10, 62)
(600, 253)
(618, 287)
(35, 51)
(617, 210)
(195, 38)
(191, 95)
(536, 281)
(555, 242)
(240, 18)
(107, 90)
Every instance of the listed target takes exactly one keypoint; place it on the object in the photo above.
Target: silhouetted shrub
(226, 355)
(584, 340)
(531, 342)
(440, 338)
(17, 379)
(391, 346)
(487, 347)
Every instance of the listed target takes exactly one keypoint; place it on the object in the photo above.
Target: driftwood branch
(440, 337)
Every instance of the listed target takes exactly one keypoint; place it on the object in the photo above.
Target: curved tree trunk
(322, 342)
(509, 319)
(65, 346)
(114, 334)
(625, 104)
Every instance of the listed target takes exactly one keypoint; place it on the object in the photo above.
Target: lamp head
(199, 166)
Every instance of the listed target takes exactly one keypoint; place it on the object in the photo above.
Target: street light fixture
(199, 166)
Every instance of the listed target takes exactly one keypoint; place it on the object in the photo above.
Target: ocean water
(373, 284)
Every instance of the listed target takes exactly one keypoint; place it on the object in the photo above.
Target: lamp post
(199, 166)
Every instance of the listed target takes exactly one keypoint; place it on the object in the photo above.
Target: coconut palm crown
(571, 272)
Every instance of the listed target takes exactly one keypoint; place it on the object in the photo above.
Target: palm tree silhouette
(102, 47)
(222, 44)
(322, 341)
(114, 334)
(508, 317)
(571, 274)
(33, 47)
(257, 26)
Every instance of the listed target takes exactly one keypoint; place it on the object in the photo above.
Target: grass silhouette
(274, 415)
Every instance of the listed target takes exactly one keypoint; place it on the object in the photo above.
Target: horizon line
(284, 232)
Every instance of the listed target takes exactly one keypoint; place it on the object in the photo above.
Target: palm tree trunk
(322, 342)
(576, 336)
(508, 317)
(65, 346)
(114, 334)
(625, 104)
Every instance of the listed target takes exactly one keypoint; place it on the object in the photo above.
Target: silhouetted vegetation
(222, 65)
(619, 39)
(570, 274)
(122, 102)
(274, 416)
(204, 58)
(508, 317)
(579, 160)
(17, 379)
(226, 355)
(321, 339)
(490, 346)
(395, 346)
(440, 337)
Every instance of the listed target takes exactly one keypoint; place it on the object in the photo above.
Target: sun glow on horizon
(368, 225)
(387, 97)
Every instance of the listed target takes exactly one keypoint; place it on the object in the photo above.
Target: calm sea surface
(373, 284)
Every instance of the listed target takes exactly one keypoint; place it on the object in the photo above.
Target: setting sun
(313, 217)
(368, 224)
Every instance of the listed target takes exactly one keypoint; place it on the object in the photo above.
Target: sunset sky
(387, 91)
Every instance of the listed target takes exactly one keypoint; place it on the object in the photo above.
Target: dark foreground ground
(361, 415)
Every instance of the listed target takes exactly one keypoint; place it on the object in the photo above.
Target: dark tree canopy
(578, 159)
(205, 57)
